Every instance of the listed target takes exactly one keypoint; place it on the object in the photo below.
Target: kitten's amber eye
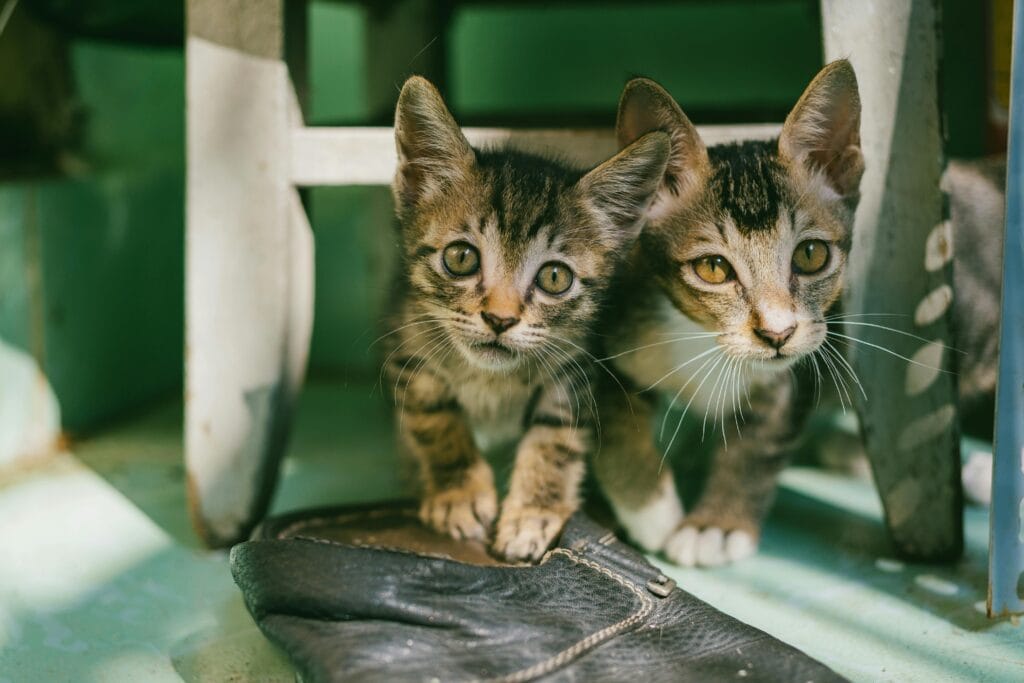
(810, 257)
(461, 259)
(555, 278)
(713, 269)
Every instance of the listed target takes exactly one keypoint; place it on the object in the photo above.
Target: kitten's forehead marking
(745, 180)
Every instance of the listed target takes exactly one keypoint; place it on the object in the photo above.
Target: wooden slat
(366, 156)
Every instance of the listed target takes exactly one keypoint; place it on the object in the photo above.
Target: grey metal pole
(1006, 558)
(902, 253)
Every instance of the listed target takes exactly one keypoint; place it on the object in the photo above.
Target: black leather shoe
(367, 594)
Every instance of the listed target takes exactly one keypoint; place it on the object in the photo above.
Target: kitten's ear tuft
(822, 133)
(646, 107)
(432, 151)
(619, 191)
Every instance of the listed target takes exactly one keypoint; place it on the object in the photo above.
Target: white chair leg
(249, 265)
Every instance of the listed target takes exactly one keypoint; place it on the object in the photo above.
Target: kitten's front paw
(465, 512)
(709, 545)
(526, 533)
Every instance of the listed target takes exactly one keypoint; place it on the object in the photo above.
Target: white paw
(650, 525)
(710, 547)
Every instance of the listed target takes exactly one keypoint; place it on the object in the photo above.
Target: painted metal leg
(248, 264)
(902, 253)
(1006, 558)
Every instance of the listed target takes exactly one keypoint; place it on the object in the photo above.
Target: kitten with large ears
(506, 258)
(727, 290)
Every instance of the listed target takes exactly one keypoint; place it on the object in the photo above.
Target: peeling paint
(1020, 525)
(923, 372)
(903, 501)
(938, 248)
(925, 428)
(933, 306)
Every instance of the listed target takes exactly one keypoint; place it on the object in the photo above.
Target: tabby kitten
(506, 257)
(727, 288)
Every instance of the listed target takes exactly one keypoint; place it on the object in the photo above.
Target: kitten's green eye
(555, 278)
(713, 269)
(461, 259)
(810, 256)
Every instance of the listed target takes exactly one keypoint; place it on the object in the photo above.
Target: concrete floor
(102, 580)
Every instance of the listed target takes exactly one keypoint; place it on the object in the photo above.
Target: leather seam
(594, 639)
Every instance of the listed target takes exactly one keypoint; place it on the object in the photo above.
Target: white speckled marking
(981, 606)
(976, 477)
(935, 584)
(925, 428)
(933, 305)
(938, 249)
(904, 498)
(887, 565)
(923, 372)
(1020, 525)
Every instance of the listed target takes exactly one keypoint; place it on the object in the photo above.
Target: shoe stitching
(594, 639)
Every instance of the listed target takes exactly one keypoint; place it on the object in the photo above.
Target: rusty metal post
(902, 254)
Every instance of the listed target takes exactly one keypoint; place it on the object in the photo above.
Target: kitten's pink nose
(775, 339)
(497, 323)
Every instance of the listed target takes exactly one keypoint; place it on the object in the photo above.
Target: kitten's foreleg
(458, 495)
(632, 472)
(725, 525)
(544, 489)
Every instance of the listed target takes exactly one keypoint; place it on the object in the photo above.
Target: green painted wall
(729, 59)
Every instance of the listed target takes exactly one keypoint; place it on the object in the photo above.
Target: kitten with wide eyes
(727, 289)
(506, 258)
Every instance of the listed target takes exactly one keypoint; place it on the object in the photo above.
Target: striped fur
(460, 381)
(752, 204)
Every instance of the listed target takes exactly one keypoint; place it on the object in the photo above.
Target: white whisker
(683, 365)
(661, 343)
(905, 334)
(889, 351)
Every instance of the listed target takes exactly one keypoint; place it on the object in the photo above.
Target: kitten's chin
(491, 356)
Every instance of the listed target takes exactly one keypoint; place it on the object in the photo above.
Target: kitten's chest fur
(495, 404)
(670, 356)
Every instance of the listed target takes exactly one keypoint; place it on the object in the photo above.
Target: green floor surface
(102, 580)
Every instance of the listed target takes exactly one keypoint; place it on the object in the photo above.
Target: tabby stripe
(424, 250)
(545, 420)
(444, 406)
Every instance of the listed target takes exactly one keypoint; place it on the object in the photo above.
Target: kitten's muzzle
(773, 338)
(497, 323)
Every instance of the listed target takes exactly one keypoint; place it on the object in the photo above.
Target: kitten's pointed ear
(432, 151)
(822, 133)
(619, 191)
(646, 107)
